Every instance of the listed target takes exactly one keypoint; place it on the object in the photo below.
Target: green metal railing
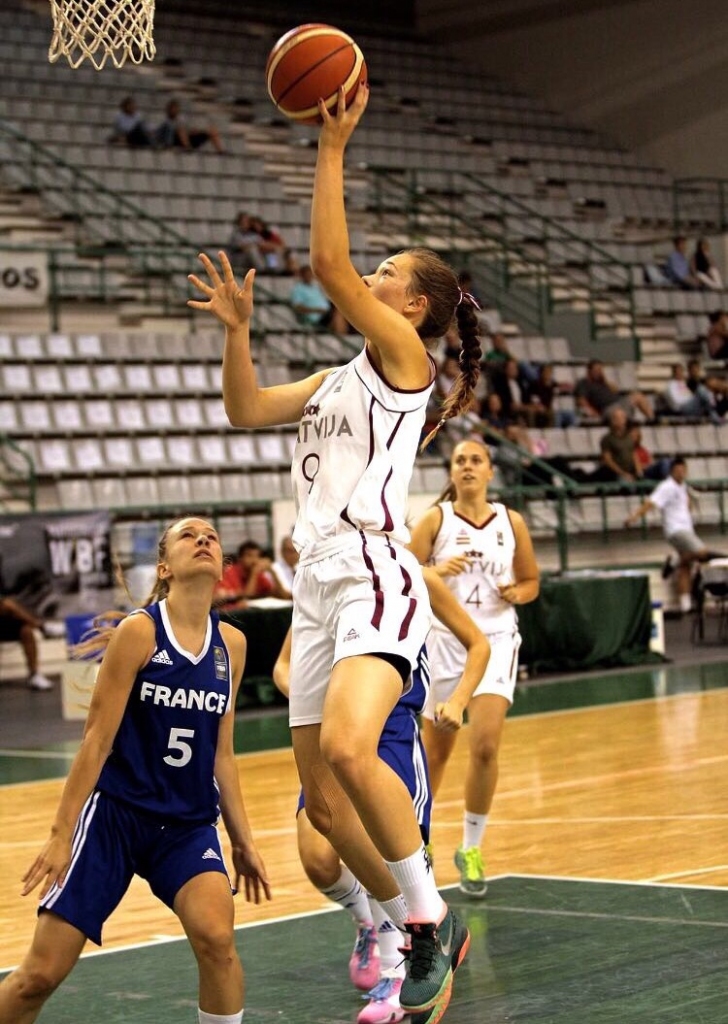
(519, 255)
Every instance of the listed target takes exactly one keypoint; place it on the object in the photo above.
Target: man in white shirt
(673, 499)
(283, 569)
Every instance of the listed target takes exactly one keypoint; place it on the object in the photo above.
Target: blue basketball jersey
(163, 758)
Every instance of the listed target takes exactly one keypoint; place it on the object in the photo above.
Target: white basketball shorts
(369, 598)
(447, 659)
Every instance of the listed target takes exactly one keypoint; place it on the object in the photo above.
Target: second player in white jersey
(484, 553)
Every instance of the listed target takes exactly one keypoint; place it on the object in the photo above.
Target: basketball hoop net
(97, 30)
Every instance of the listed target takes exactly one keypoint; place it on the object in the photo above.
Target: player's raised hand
(337, 128)
(226, 299)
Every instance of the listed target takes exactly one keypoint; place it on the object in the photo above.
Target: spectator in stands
(649, 467)
(499, 353)
(175, 133)
(311, 304)
(278, 258)
(542, 393)
(284, 569)
(512, 387)
(128, 126)
(703, 268)
(243, 248)
(717, 386)
(674, 498)
(717, 338)
(18, 624)
(682, 400)
(244, 579)
(677, 268)
(492, 413)
(617, 446)
(595, 395)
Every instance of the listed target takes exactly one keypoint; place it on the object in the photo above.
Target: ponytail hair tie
(470, 298)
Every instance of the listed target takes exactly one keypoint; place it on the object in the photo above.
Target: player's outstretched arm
(246, 404)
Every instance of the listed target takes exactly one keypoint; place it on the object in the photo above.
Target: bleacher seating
(135, 419)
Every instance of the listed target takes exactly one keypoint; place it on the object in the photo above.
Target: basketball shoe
(364, 961)
(383, 1006)
(437, 950)
(469, 863)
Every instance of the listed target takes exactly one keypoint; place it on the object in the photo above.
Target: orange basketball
(312, 62)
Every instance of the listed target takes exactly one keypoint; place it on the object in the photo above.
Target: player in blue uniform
(155, 769)
(376, 965)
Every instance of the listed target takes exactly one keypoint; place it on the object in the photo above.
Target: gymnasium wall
(652, 74)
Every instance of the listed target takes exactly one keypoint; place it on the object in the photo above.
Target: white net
(97, 30)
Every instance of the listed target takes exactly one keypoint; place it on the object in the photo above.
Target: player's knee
(484, 749)
(349, 759)
(35, 984)
(214, 946)
(319, 814)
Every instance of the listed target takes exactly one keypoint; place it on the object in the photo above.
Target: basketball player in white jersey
(484, 553)
(361, 611)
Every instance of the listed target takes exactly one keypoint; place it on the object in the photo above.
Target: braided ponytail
(460, 394)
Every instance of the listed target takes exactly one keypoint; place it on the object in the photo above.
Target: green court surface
(546, 950)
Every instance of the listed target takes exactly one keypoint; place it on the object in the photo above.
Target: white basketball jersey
(491, 547)
(356, 446)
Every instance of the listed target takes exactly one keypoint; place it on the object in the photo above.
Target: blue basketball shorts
(113, 842)
(401, 748)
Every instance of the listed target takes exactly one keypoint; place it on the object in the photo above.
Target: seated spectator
(243, 249)
(128, 126)
(491, 413)
(312, 306)
(595, 395)
(703, 268)
(542, 393)
(677, 268)
(497, 355)
(278, 258)
(682, 400)
(283, 570)
(717, 340)
(17, 623)
(175, 133)
(617, 448)
(651, 468)
(717, 386)
(512, 389)
(244, 579)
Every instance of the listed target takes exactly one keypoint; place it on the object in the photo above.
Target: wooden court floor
(632, 791)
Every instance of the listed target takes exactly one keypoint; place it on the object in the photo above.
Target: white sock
(390, 939)
(416, 881)
(219, 1018)
(685, 603)
(396, 910)
(350, 895)
(473, 829)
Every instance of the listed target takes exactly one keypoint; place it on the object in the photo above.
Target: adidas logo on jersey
(210, 854)
(351, 635)
(162, 658)
(463, 537)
